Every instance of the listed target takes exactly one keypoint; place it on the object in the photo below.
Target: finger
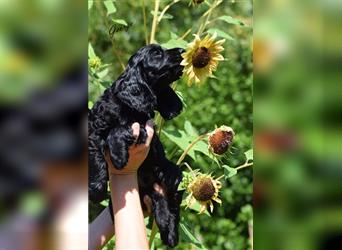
(158, 188)
(136, 131)
(148, 203)
(150, 131)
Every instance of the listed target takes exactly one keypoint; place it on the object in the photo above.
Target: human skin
(129, 224)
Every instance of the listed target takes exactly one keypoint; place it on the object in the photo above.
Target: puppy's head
(160, 67)
(144, 85)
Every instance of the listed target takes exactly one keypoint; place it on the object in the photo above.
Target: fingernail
(135, 125)
(156, 187)
(150, 123)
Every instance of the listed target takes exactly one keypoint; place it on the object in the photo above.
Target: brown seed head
(203, 189)
(201, 57)
(220, 140)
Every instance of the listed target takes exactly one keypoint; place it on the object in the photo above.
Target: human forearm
(128, 216)
(100, 230)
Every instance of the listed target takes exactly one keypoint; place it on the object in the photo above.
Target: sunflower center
(203, 190)
(201, 57)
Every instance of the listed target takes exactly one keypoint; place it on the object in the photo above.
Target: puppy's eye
(158, 53)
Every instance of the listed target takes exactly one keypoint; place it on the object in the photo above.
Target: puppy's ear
(136, 95)
(168, 103)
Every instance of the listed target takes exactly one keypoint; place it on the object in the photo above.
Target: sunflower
(201, 58)
(203, 188)
(220, 140)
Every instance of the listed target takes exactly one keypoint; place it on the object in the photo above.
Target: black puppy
(138, 92)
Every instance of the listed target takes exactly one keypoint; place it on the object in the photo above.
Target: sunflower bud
(94, 63)
(220, 140)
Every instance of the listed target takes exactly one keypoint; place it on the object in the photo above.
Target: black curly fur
(138, 92)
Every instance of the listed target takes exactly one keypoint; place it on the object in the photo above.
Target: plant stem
(154, 22)
(186, 151)
(165, 9)
(154, 231)
(250, 233)
(245, 165)
(161, 125)
(185, 34)
(102, 11)
(208, 13)
(188, 166)
(145, 24)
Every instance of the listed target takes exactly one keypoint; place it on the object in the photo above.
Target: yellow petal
(202, 209)
(211, 207)
(220, 42)
(218, 57)
(217, 200)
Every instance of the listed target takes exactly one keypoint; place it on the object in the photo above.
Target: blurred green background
(297, 122)
(224, 100)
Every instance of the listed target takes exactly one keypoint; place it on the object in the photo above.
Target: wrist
(122, 172)
(123, 176)
(123, 181)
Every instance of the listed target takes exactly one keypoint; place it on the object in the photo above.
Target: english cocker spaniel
(142, 88)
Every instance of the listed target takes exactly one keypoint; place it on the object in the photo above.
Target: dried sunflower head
(205, 189)
(201, 58)
(220, 140)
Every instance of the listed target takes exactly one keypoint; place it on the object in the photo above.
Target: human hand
(137, 153)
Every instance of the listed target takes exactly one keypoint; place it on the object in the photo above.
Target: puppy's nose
(180, 50)
(176, 51)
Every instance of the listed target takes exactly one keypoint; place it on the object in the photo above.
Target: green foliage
(225, 99)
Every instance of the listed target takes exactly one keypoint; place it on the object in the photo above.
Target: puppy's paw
(119, 159)
(97, 190)
(172, 239)
(142, 136)
(169, 237)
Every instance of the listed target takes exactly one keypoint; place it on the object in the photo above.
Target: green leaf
(188, 236)
(229, 172)
(110, 7)
(180, 43)
(189, 129)
(202, 147)
(231, 20)
(165, 16)
(181, 139)
(249, 155)
(102, 73)
(90, 104)
(91, 52)
(196, 206)
(184, 138)
(220, 33)
(120, 21)
(105, 203)
(181, 97)
(173, 35)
